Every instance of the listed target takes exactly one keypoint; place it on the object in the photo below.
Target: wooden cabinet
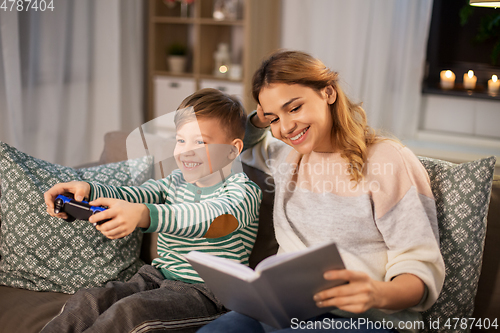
(253, 35)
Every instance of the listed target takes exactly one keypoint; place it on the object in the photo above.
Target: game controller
(76, 210)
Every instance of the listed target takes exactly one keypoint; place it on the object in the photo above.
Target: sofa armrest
(43, 306)
(487, 302)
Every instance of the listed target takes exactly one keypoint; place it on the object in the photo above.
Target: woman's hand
(360, 294)
(260, 121)
(124, 217)
(79, 189)
(363, 293)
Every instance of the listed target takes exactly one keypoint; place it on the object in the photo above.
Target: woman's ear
(331, 94)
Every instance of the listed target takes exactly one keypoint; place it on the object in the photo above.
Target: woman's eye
(297, 108)
(274, 120)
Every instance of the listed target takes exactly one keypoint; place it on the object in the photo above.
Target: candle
(470, 80)
(493, 85)
(447, 79)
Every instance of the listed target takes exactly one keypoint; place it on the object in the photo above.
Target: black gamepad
(76, 210)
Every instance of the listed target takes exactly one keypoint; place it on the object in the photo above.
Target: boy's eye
(200, 142)
(180, 141)
(274, 120)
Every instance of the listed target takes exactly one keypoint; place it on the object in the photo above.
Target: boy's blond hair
(214, 104)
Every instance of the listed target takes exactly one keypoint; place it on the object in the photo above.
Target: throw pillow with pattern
(462, 193)
(43, 253)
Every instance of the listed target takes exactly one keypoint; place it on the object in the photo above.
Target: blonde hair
(350, 131)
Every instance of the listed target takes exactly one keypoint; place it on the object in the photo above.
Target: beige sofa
(28, 311)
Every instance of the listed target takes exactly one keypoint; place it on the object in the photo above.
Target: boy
(201, 206)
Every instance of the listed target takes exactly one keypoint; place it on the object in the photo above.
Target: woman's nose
(287, 125)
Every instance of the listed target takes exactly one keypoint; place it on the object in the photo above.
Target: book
(279, 289)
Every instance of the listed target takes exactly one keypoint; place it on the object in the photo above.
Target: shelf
(209, 21)
(250, 37)
(173, 20)
(167, 73)
(218, 78)
(458, 91)
(191, 20)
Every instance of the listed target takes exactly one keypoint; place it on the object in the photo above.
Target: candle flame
(494, 78)
(448, 73)
(470, 74)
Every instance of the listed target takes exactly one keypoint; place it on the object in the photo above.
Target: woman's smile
(300, 137)
(299, 115)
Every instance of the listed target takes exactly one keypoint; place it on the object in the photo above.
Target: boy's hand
(79, 189)
(124, 217)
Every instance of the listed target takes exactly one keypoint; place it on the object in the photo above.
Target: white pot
(176, 64)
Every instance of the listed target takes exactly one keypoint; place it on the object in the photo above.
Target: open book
(281, 287)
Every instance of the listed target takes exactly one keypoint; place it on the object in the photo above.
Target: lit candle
(447, 79)
(493, 85)
(470, 80)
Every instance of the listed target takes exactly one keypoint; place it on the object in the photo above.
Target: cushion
(462, 194)
(43, 253)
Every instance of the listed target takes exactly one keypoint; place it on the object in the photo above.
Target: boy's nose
(188, 151)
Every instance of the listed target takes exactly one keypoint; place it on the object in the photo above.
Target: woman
(336, 179)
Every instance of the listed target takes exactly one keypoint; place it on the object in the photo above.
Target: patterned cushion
(43, 253)
(462, 194)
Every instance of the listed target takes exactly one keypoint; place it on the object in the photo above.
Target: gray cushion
(44, 253)
(462, 193)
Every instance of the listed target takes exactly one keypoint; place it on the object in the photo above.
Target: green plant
(489, 28)
(177, 49)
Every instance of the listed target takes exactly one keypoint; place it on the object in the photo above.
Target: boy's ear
(238, 147)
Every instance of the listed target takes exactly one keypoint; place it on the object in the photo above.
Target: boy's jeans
(148, 300)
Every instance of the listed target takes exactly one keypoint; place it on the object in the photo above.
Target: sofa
(28, 311)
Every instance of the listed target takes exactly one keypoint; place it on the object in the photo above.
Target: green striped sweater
(182, 213)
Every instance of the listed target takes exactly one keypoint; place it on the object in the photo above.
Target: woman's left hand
(363, 293)
(358, 295)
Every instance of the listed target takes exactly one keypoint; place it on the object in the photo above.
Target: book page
(224, 265)
(277, 259)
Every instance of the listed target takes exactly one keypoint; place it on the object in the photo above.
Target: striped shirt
(182, 213)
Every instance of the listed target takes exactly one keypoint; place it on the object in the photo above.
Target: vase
(176, 64)
(184, 9)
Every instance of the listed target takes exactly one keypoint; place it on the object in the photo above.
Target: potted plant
(176, 57)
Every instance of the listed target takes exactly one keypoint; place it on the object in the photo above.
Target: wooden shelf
(251, 37)
(208, 21)
(167, 73)
(217, 78)
(173, 20)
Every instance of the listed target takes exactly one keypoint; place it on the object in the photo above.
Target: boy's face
(202, 149)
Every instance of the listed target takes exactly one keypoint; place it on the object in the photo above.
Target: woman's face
(299, 115)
